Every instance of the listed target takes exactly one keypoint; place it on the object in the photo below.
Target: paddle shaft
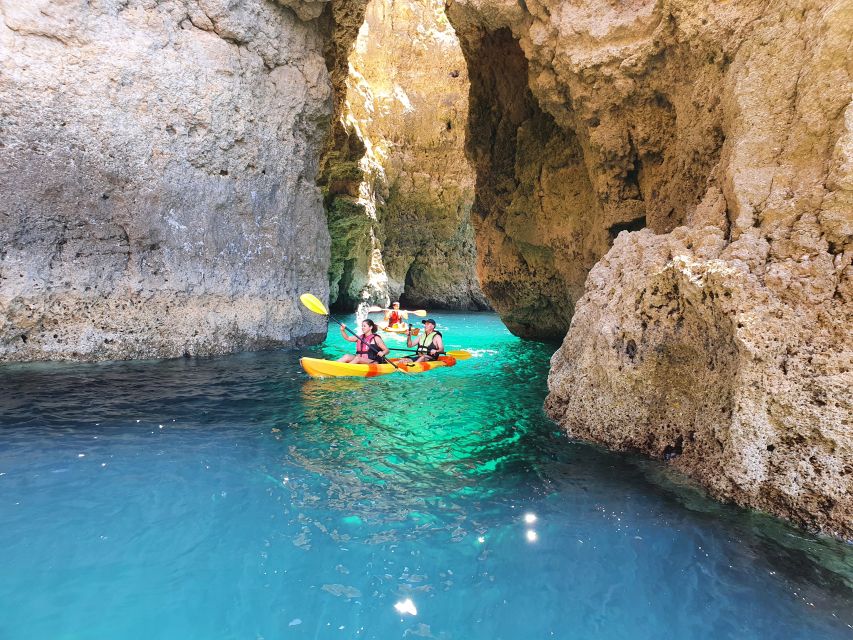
(458, 354)
(417, 312)
(441, 353)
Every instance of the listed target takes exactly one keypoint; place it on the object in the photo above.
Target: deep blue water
(235, 498)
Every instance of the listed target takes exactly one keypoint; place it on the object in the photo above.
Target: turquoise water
(235, 498)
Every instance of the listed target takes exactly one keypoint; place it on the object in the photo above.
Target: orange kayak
(319, 368)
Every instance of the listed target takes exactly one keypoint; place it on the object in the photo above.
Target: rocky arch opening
(396, 184)
(558, 172)
(567, 158)
(535, 211)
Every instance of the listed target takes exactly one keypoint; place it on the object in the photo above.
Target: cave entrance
(398, 188)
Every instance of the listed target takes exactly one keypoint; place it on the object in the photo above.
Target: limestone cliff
(714, 144)
(399, 188)
(158, 176)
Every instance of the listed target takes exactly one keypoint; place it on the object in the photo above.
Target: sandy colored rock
(575, 137)
(399, 189)
(158, 177)
(712, 143)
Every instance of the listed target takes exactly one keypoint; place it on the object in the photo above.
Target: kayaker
(394, 317)
(429, 344)
(370, 349)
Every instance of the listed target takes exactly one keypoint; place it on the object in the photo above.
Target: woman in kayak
(429, 345)
(369, 349)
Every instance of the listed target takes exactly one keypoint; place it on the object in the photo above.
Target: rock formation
(158, 174)
(714, 144)
(399, 189)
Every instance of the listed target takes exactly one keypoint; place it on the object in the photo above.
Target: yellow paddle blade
(419, 312)
(459, 355)
(313, 304)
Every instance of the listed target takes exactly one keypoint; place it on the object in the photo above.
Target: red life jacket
(394, 318)
(362, 347)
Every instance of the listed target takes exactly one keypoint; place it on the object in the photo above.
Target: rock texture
(538, 223)
(158, 175)
(714, 144)
(399, 188)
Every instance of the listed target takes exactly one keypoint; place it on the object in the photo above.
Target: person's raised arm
(409, 342)
(345, 335)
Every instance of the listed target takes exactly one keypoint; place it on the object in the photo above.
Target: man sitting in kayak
(395, 318)
(369, 349)
(429, 345)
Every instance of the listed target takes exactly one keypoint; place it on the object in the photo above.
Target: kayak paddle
(418, 312)
(458, 355)
(313, 303)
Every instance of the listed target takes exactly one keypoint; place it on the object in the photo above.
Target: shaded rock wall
(399, 188)
(532, 256)
(715, 147)
(590, 149)
(158, 176)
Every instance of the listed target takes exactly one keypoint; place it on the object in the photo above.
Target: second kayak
(399, 328)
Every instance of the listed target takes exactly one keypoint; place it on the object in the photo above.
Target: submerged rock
(711, 147)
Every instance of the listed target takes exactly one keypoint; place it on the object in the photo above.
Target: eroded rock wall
(158, 176)
(399, 188)
(714, 147)
(533, 256)
(574, 138)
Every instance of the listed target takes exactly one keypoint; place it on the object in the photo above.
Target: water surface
(235, 498)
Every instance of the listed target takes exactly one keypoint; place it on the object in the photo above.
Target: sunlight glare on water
(236, 498)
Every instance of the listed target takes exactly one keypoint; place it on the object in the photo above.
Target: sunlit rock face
(399, 188)
(158, 176)
(707, 159)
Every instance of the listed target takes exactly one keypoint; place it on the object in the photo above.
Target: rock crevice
(398, 187)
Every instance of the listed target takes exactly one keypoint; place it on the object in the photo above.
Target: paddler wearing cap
(429, 343)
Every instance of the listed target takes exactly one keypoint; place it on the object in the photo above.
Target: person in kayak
(429, 345)
(369, 349)
(395, 318)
